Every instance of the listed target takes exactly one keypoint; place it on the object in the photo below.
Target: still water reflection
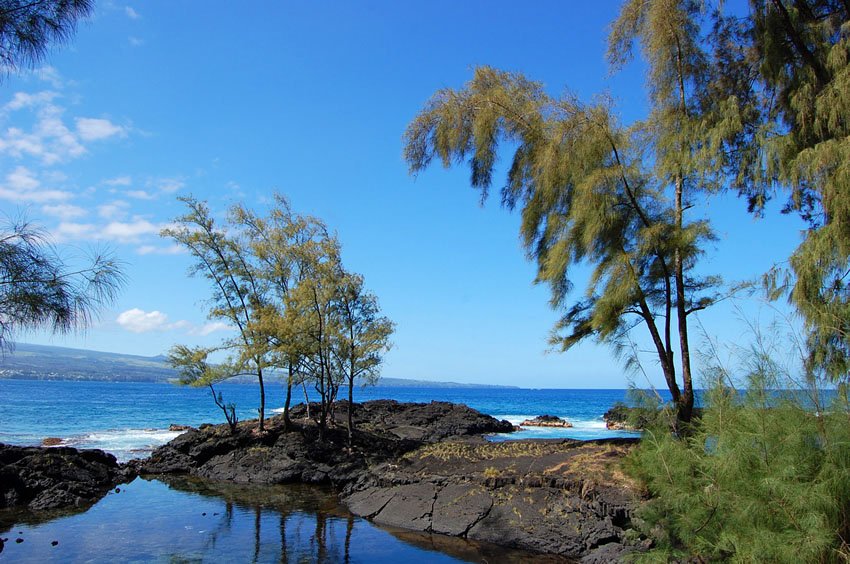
(188, 520)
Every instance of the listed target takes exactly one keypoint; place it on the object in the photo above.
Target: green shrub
(764, 476)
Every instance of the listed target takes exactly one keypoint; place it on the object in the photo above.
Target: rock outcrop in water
(546, 421)
(425, 467)
(50, 478)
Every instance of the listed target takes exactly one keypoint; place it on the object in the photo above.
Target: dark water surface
(183, 519)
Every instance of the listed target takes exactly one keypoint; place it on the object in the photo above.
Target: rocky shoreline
(422, 467)
(41, 479)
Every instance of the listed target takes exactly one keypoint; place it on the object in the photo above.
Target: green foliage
(238, 292)
(792, 80)
(196, 371)
(38, 289)
(278, 280)
(28, 27)
(594, 192)
(765, 477)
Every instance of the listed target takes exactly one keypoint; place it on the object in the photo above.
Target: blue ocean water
(130, 419)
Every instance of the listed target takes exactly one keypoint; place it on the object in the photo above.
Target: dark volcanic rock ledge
(563, 497)
(49, 478)
(385, 429)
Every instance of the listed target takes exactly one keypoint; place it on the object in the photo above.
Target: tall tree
(314, 325)
(363, 338)
(29, 27)
(222, 257)
(795, 61)
(592, 191)
(38, 289)
(284, 244)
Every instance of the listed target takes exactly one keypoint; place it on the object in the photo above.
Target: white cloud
(51, 75)
(116, 210)
(211, 327)
(174, 249)
(140, 194)
(135, 41)
(22, 185)
(23, 100)
(70, 231)
(120, 232)
(94, 129)
(64, 212)
(48, 138)
(131, 13)
(170, 185)
(119, 181)
(129, 232)
(22, 179)
(139, 321)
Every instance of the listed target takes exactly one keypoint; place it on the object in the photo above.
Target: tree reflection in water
(181, 519)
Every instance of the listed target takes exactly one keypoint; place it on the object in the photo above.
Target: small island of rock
(546, 421)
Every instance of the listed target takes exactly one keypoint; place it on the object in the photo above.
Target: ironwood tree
(591, 190)
(29, 27)
(39, 289)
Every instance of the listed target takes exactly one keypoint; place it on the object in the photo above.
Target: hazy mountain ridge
(44, 362)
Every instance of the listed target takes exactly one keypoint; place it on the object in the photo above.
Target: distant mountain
(42, 362)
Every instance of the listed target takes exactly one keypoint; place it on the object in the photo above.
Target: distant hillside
(42, 362)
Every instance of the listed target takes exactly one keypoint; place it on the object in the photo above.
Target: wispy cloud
(47, 138)
(159, 250)
(119, 232)
(64, 212)
(131, 13)
(137, 320)
(129, 232)
(140, 194)
(115, 210)
(135, 41)
(119, 181)
(209, 328)
(169, 185)
(22, 185)
(95, 129)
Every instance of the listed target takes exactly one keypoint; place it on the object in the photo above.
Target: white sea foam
(581, 429)
(123, 443)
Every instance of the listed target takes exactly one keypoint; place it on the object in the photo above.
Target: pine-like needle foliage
(592, 191)
(764, 478)
(38, 289)
(790, 70)
(29, 27)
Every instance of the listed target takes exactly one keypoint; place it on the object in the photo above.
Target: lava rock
(49, 478)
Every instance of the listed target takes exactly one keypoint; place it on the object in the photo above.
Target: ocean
(131, 419)
(184, 520)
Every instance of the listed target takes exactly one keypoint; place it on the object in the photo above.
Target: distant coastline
(45, 362)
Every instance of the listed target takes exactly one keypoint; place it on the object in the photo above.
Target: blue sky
(232, 101)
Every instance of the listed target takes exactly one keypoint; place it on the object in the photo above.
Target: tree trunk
(261, 426)
(287, 422)
(306, 398)
(685, 404)
(350, 410)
